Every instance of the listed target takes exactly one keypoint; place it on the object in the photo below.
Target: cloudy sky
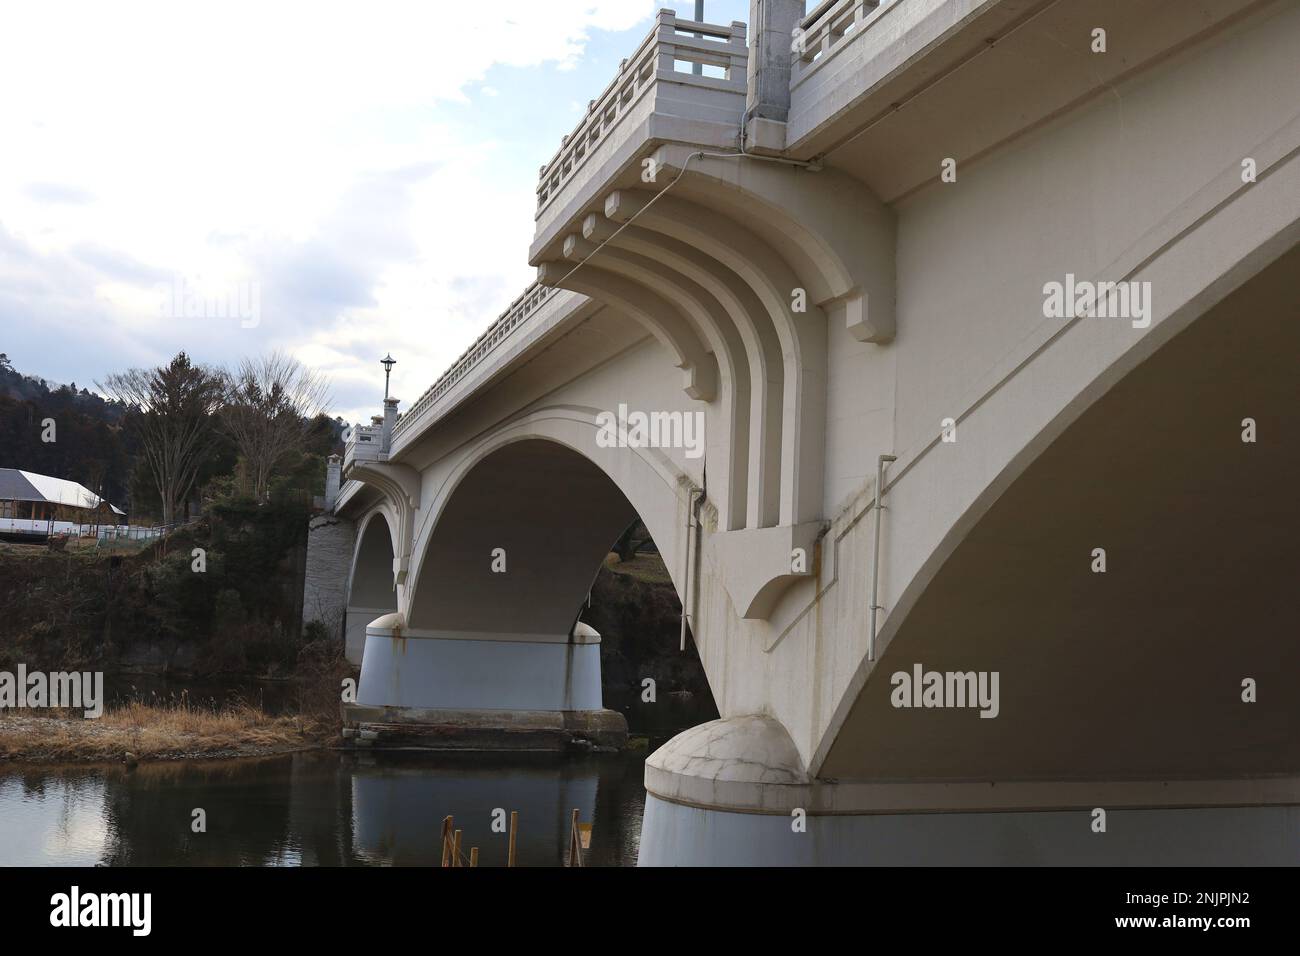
(334, 179)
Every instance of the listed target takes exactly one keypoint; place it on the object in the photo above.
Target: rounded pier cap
(741, 763)
(585, 634)
(387, 625)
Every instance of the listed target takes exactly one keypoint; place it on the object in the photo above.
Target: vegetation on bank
(179, 727)
(154, 611)
(218, 597)
(166, 439)
(155, 732)
(635, 608)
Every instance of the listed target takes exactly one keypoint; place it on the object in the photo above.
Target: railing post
(388, 421)
(333, 479)
(771, 24)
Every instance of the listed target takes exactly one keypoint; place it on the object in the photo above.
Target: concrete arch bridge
(866, 239)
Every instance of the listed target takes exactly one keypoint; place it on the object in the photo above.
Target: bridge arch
(1136, 669)
(624, 483)
(513, 539)
(371, 592)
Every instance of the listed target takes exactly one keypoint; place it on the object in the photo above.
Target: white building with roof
(33, 505)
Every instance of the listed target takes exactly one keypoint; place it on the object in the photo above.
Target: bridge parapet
(655, 96)
(828, 28)
(362, 443)
(506, 323)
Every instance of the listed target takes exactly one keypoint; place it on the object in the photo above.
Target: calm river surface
(321, 808)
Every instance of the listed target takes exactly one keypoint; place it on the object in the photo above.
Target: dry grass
(647, 567)
(170, 731)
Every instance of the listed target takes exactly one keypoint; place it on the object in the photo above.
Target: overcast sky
(344, 179)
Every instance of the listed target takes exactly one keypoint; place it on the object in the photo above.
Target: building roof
(18, 485)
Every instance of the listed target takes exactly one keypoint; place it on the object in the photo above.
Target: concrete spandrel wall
(1080, 196)
(639, 375)
(1087, 194)
(1096, 193)
(1138, 669)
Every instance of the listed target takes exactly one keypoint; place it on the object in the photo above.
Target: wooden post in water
(446, 840)
(575, 845)
(514, 823)
(473, 856)
(455, 850)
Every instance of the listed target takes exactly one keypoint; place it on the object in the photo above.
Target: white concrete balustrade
(655, 82)
(505, 324)
(362, 443)
(830, 27)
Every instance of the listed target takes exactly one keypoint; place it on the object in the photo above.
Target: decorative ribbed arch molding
(802, 334)
(659, 317)
(682, 263)
(708, 316)
(832, 230)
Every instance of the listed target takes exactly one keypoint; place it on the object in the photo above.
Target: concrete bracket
(766, 137)
(758, 564)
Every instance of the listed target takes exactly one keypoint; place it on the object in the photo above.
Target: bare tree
(172, 413)
(270, 405)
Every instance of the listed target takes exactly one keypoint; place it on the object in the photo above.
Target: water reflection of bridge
(316, 809)
(326, 809)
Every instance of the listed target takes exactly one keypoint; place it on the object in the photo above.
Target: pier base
(439, 690)
(408, 728)
(733, 793)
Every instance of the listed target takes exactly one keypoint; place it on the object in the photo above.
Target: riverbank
(147, 732)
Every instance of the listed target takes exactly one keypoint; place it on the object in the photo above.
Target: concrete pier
(462, 690)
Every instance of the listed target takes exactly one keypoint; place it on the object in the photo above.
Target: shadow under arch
(371, 593)
(544, 492)
(518, 543)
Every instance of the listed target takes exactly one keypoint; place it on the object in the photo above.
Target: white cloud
(312, 148)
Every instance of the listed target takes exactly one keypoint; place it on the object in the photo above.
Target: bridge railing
(532, 298)
(362, 443)
(665, 57)
(667, 54)
(829, 26)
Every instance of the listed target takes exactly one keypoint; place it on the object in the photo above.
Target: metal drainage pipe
(875, 557)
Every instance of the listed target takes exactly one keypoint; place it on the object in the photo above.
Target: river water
(330, 808)
(323, 808)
